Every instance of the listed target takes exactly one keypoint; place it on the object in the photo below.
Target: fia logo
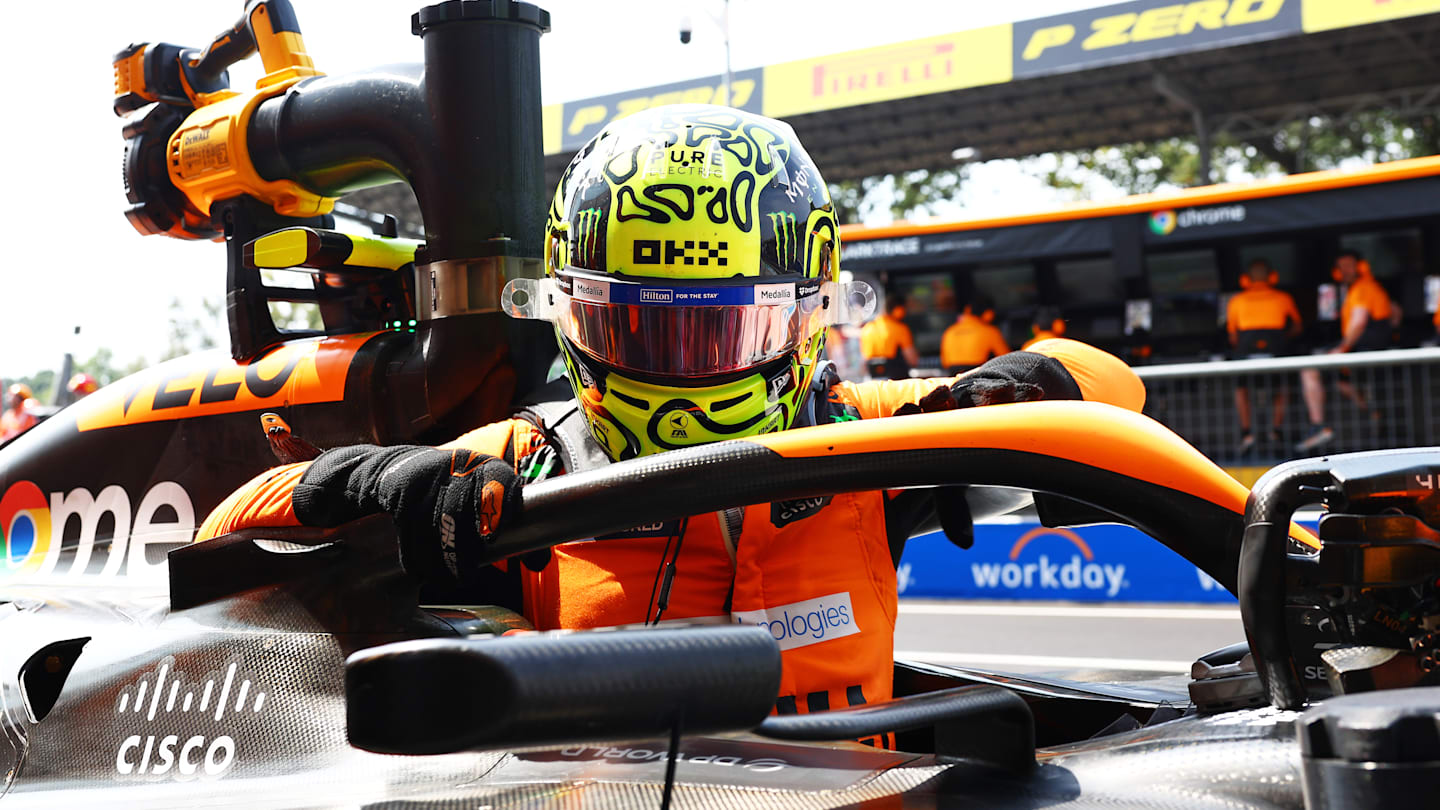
(221, 698)
(679, 425)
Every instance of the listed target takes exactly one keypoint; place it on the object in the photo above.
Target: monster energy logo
(587, 222)
(787, 242)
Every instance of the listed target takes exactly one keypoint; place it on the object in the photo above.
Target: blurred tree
(1300, 146)
(906, 195)
(189, 333)
(105, 370)
(42, 384)
(1137, 168)
(288, 315)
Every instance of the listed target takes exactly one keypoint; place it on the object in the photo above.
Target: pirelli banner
(1081, 40)
(1146, 29)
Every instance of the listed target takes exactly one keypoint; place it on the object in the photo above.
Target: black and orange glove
(446, 504)
(1013, 377)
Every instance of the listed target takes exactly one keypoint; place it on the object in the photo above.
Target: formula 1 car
(305, 668)
(294, 668)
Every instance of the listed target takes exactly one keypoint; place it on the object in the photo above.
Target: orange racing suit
(818, 573)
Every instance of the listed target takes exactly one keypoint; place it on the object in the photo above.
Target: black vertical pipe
(486, 178)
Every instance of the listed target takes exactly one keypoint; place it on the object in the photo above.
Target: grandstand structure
(1117, 73)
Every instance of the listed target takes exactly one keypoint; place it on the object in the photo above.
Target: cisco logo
(165, 699)
(657, 296)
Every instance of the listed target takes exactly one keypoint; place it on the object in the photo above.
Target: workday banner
(1107, 563)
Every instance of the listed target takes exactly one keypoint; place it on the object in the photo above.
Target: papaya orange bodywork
(1091, 433)
(296, 373)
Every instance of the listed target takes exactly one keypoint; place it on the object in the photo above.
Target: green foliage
(289, 315)
(1137, 168)
(105, 370)
(191, 334)
(42, 384)
(906, 195)
(1300, 146)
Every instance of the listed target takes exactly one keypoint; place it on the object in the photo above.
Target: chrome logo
(1162, 223)
(24, 528)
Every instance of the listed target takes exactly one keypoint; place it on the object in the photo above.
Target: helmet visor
(655, 327)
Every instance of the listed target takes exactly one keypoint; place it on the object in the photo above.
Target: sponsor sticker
(167, 700)
(591, 290)
(129, 538)
(801, 624)
(774, 293)
(783, 513)
(1078, 570)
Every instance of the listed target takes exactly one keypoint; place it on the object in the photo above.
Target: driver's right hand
(446, 503)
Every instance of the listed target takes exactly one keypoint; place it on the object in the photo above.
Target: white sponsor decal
(904, 577)
(1191, 217)
(879, 248)
(133, 530)
(954, 244)
(592, 290)
(801, 624)
(757, 765)
(222, 697)
(774, 293)
(1077, 574)
(779, 385)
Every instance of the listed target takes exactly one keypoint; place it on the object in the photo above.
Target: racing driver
(692, 267)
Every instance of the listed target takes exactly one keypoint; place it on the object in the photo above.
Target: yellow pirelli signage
(915, 68)
(1146, 29)
(1080, 40)
(1326, 15)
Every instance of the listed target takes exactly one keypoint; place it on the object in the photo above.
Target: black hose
(901, 714)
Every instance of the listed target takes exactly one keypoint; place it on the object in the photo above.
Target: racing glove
(1013, 377)
(447, 504)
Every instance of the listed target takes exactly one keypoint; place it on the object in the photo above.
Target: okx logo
(183, 726)
(1053, 567)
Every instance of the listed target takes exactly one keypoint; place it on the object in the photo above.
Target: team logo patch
(783, 513)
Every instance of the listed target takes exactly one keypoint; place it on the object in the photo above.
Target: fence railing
(1370, 401)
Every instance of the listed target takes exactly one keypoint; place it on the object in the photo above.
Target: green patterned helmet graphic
(694, 191)
(692, 266)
